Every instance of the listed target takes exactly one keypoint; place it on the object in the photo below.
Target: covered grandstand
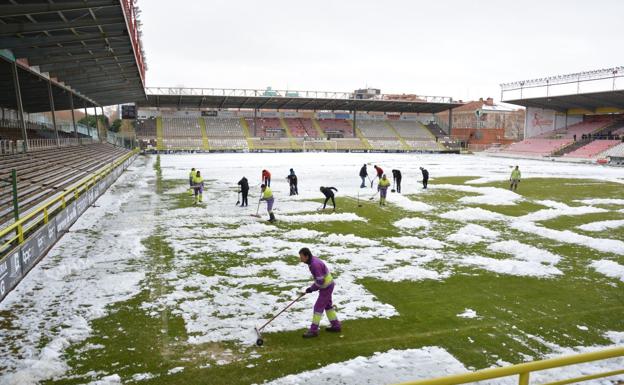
(278, 120)
(61, 56)
(586, 124)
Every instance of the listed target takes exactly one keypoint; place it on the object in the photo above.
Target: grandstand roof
(90, 47)
(563, 103)
(288, 100)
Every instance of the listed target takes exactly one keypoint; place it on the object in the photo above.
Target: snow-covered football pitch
(149, 288)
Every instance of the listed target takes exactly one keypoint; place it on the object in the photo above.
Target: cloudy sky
(463, 49)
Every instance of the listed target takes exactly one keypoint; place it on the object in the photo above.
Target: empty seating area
(411, 130)
(265, 127)
(181, 127)
(592, 149)
(228, 143)
(616, 151)
(349, 144)
(578, 129)
(301, 127)
(375, 129)
(336, 125)
(386, 144)
(423, 145)
(219, 127)
(182, 143)
(42, 174)
(146, 129)
(537, 146)
(271, 144)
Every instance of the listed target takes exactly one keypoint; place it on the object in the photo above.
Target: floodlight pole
(71, 105)
(354, 121)
(255, 116)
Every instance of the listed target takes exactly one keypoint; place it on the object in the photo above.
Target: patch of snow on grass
(473, 214)
(558, 209)
(412, 223)
(333, 217)
(468, 313)
(391, 367)
(601, 225)
(609, 268)
(426, 243)
(601, 201)
(472, 233)
(408, 204)
(524, 252)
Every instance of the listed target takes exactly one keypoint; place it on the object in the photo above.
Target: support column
(566, 120)
(354, 121)
(20, 107)
(52, 109)
(96, 121)
(450, 122)
(71, 105)
(254, 122)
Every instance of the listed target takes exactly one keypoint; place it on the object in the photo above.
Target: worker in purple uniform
(324, 283)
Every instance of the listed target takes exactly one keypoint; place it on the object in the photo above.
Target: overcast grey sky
(463, 49)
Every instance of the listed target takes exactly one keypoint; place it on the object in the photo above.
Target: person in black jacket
(363, 175)
(396, 175)
(244, 188)
(425, 174)
(329, 194)
(292, 182)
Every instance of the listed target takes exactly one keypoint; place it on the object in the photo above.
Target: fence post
(524, 379)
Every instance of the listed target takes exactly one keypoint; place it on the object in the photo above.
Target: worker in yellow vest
(267, 195)
(198, 187)
(382, 187)
(191, 176)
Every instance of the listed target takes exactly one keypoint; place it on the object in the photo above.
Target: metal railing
(524, 370)
(178, 91)
(15, 234)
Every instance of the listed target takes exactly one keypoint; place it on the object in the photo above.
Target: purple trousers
(270, 205)
(383, 191)
(324, 300)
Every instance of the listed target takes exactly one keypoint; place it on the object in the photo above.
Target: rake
(260, 340)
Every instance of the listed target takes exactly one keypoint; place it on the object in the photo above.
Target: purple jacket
(322, 277)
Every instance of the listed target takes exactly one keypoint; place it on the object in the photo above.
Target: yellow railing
(523, 370)
(42, 214)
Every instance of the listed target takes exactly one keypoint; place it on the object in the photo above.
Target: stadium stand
(386, 144)
(301, 127)
(592, 149)
(42, 174)
(223, 127)
(423, 145)
(578, 129)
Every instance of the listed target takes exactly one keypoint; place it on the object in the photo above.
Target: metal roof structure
(164, 97)
(87, 47)
(587, 101)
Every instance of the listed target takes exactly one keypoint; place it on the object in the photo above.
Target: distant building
(484, 120)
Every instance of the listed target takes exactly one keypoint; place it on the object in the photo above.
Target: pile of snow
(408, 204)
(487, 195)
(511, 266)
(601, 201)
(524, 252)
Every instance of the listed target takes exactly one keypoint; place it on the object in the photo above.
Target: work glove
(308, 290)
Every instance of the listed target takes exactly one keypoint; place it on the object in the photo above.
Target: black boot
(271, 217)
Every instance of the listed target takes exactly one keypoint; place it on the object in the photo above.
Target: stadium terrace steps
(289, 135)
(318, 128)
(146, 129)
(43, 174)
(362, 138)
(245, 126)
(593, 149)
(205, 143)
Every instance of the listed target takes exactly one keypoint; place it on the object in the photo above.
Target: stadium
(156, 234)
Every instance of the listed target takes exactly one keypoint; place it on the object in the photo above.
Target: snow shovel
(371, 181)
(257, 210)
(260, 340)
(358, 200)
(373, 197)
(238, 199)
(393, 190)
